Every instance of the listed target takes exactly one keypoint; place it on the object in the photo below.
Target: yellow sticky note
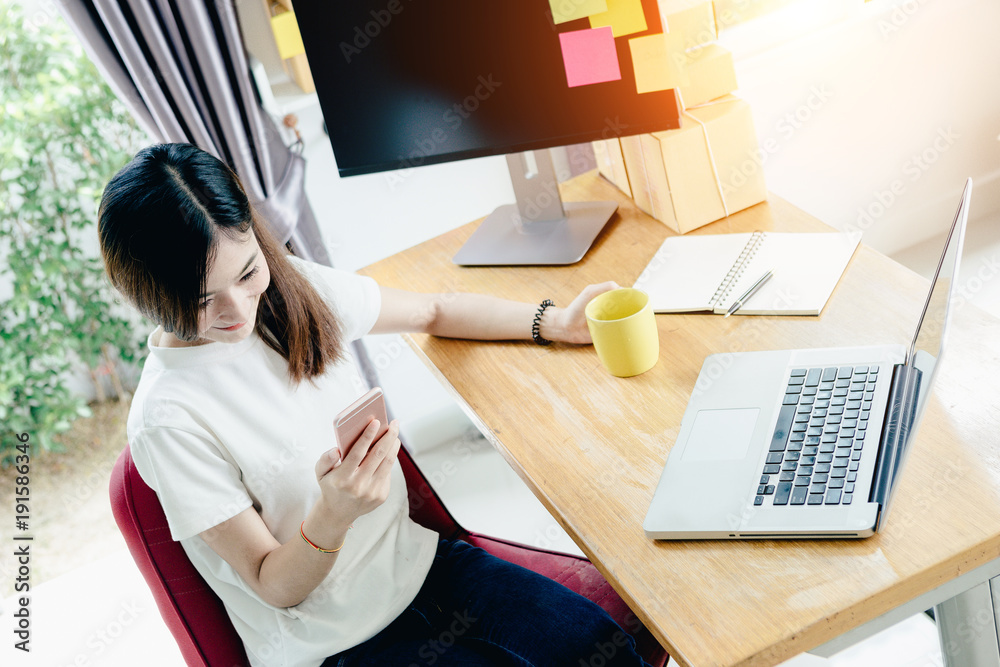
(624, 16)
(655, 64)
(286, 35)
(570, 10)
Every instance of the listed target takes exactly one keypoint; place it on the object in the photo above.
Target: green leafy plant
(63, 134)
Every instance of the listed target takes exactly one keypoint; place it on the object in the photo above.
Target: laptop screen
(913, 381)
(928, 340)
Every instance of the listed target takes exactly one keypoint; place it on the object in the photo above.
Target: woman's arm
(284, 574)
(482, 317)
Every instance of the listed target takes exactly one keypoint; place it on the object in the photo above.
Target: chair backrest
(194, 614)
(192, 611)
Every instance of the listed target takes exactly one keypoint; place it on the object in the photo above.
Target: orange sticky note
(624, 16)
(655, 63)
(570, 10)
(589, 56)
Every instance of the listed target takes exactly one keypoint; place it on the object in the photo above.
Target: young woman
(315, 558)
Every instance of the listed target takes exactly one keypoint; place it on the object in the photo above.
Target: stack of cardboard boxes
(706, 169)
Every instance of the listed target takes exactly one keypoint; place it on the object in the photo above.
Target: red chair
(197, 618)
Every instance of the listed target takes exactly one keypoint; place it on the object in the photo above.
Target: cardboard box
(635, 165)
(679, 186)
(708, 74)
(611, 163)
(298, 69)
(689, 23)
(729, 13)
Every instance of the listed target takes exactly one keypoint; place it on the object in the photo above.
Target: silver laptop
(803, 443)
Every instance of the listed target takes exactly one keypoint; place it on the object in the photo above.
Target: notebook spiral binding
(738, 268)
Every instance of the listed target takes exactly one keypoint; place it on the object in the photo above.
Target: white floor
(103, 614)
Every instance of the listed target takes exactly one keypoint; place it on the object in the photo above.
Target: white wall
(875, 120)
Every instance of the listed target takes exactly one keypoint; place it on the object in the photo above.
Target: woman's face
(235, 281)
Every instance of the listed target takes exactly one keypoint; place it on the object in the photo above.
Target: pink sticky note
(590, 56)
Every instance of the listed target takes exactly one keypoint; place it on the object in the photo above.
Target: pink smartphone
(351, 423)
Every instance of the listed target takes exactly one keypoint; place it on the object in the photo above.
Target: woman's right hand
(359, 483)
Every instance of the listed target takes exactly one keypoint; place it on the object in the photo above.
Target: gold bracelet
(319, 549)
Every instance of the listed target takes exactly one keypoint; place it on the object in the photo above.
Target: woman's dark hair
(159, 224)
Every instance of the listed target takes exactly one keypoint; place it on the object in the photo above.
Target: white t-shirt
(218, 428)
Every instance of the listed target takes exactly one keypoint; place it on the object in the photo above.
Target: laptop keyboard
(815, 451)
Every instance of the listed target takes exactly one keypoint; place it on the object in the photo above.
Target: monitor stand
(540, 229)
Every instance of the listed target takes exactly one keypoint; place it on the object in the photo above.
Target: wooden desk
(592, 446)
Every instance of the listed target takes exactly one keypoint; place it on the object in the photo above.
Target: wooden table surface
(591, 446)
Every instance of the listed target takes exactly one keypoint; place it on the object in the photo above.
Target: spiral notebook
(708, 273)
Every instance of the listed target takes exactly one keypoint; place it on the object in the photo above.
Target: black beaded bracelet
(536, 325)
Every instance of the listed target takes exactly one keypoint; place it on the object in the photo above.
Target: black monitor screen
(404, 83)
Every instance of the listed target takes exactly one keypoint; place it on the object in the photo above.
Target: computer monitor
(405, 83)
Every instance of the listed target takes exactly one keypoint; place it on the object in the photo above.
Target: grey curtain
(180, 67)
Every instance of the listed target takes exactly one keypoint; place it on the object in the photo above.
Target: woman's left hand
(569, 324)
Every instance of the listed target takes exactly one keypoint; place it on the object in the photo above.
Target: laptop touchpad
(720, 435)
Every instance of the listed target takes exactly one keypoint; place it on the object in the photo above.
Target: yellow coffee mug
(623, 328)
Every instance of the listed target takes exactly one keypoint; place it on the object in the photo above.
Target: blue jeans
(477, 609)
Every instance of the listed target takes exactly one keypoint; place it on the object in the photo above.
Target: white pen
(749, 293)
